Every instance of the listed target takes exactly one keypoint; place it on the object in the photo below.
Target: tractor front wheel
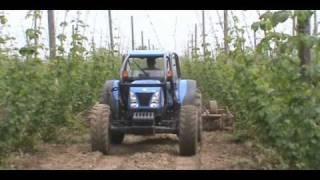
(99, 119)
(188, 130)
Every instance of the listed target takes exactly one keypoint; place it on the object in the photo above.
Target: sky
(166, 29)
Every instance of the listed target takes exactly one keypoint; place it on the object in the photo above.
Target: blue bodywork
(137, 90)
(181, 91)
(187, 91)
(142, 115)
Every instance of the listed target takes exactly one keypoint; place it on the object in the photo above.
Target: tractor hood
(145, 93)
(145, 89)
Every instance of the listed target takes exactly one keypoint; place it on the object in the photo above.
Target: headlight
(133, 100)
(155, 100)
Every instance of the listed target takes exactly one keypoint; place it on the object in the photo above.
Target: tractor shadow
(143, 144)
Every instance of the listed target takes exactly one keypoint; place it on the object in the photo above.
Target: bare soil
(218, 151)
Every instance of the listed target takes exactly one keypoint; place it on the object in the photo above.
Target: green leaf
(62, 37)
(2, 41)
(255, 26)
(280, 17)
(266, 15)
(263, 25)
(3, 20)
(303, 16)
(27, 51)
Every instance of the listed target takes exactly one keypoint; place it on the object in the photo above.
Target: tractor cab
(147, 80)
(143, 65)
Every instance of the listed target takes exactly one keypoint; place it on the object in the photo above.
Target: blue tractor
(149, 98)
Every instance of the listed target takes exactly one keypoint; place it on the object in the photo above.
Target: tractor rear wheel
(188, 130)
(99, 119)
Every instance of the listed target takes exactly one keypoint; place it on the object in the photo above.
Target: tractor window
(145, 68)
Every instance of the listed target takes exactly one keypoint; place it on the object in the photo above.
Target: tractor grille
(144, 98)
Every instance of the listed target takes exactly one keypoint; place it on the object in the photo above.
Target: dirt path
(138, 152)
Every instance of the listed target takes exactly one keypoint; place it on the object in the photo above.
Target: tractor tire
(106, 93)
(99, 119)
(188, 130)
(198, 104)
(213, 107)
(116, 137)
(106, 98)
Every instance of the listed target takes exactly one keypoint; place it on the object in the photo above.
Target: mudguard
(187, 92)
(110, 96)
